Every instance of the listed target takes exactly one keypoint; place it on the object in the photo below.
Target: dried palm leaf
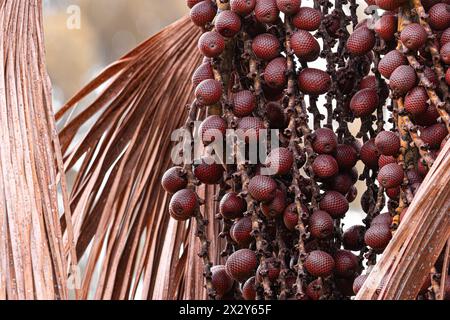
(32, 251)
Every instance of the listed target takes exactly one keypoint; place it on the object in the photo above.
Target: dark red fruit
(220, 280)
(249, 289)
(241, 232)
(378, 236)
(352, 194)
(386, 27)
(391, 176)
(321, 225)
(249, 128)
(447, 76)
(391, 61)
(325, 166)
(346, 264)
(228, 23)
(358, 283)
(445, 53)
(305, 46)
(445, 37)
(208, 172)
(272, 271)
(266, 46)
(289, 7)
(174, 180)
(353, 238)
(315, 290)
(364, 102)
(389, 5)
(290, 217)
(433, 135)
(314, 81)
(275, 73)
(403, 79)
(384, 160)
(307, 19)
(361, 41)
(387, 143)
(276, 206)
(232, 206)
(211, 128)
(393, 193)
(204, 72)
(439, 16)
(324, 141)
(414, 176)
(208, 92)
(266, 11)
(414, 36)
(280, 161)
(369, 154)
(335, 204)
(262, 188)
(346, 156)
(275, 115)
(319, 263)
(416, 101)
(203, 13)
(183, 204)
(341, 183)
(243, 103)
(428, 118)
(242, 264)
(383, 218)
(242, 7)
(191, 3)
(211, 44)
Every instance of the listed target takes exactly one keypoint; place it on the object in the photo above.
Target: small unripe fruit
(262, 188)
(275, 73)
(361, 41)
(203, 13)
(346, 264)
(391, 176)
(242, 7)
(439, 16)
(403, 79)
(307, 19)
(280, 160)
(232, 206)
(346, 156)
(335, 204)
(249, 289)
(220, 280)
(241, 265)
(289, 7)
(174, 180)
(369, 154)
(325, 166)
(364, 102)
(416, 101)
(324, 141)
(387, 143)
(211, 44)
(241, 232)
(414, 36)
(353, 238)
(378, 236)
(207, 172)
(386, 27)
(266, 46)
(305, 46)
(321, 225)
(266, 11)
(391, 61)
(314, 81)
(228, 23)
(183, 204)
(319, 263)
(244, 103)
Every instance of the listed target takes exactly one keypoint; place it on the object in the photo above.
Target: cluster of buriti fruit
(285, 231)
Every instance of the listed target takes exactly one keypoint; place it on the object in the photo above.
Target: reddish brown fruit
(305, 46)
(346, 156)
(391, 176)
(207, 172)
(266, 11)
(307, 19)
(352, 194)
(191, 3)
(353, 238)
(389, 5)
(280, 161)
(174, 180)
(275, 116)
(439, 16)
(378, 236)
(335, 204)
(243, 103)
(447, 76)
(183, 204)
(249, 128)
(431, 76)
(402, 80)
(262, 188)
(204, 72)
(211, 44)
(414, 176)
(220, 280)
(319, 263)
(203, 13)
(315, 290)
(314, 81)
(324, 141)
(211, 128)
(228, 23)
(232, 206)
(276, 206)
(384, 160)
(364, 102)
(416, 101)
(242, 7)
(358, 283)
(391, 61)
(249, 289)
(242, 264)
(272, 271)
(266, 46)
(428, 118)
(341, 183)
(275, 73)
(325, 166)
(414, 36)
(346, 264)
(387, 143)
(290, 217)
(445, 37)
(368, 82)
(434, 135)
(369, 154)
(383, 218)
(445, 53)
(393, 193)
(386, 27)
(321, 225)
(241, 232)
(208, 92)
(361, 41)
(289, 7)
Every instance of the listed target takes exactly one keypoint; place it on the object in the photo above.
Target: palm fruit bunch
(309, 73)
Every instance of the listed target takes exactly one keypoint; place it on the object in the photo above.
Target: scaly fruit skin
(211, 128)
(183, 204)
(358, 283)
(249, 289)
(280, 160)
(391, 61)
(364, 102)
(361, 41)
(276, 206)
(369, 154)
(416, 101)
(335, 204)
(244, 103)
(174, 180)
(272, 271)
(266, 11)
(307, 19)
(275, 73)
(445, 37)
(242, 7)
(241, 265)
(321, 225)
(319, 264)
(439, 16)
(324, 141)
(387, 143)
(378, 236)
(220, 280)
(208, 173)
(314, 290)
(428, 118)
(241, 232)
(290, 217)
(204, 72)
(228, 24)
(445, 53)
(384, 160)
(393, 193)
(208, 92)
(314, 81)
(353, 238)
(249, 128)
(203, 13)
(383, 218)
(266, 46)
(232, 206)
(211, 44)
(391, 176)
(262, 188)
(289, 7)
(413, 36)
(386, 27)
(341, 183)
(325, 166)
(434, 135)
(305, 46)
(403, 79)
(346, 264)
(346, 156)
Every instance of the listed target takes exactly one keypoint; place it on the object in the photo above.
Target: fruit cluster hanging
(311, 72)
